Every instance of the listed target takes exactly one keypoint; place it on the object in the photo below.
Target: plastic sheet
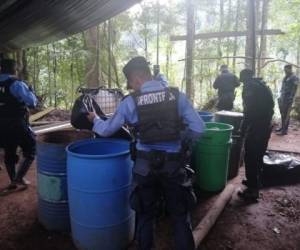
(24, 23)
(103, 102)
(82, 106)
(280, 169)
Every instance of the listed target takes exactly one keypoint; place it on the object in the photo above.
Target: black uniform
(159, 173)
(225, 83)
(288, 92)
(14, 132)
(257, 126)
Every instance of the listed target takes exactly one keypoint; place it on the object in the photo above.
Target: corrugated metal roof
(24, 23)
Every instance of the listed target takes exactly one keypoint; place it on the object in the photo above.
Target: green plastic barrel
(212, 157)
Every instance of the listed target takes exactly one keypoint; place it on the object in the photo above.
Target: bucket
(99, 183)
(206, 116)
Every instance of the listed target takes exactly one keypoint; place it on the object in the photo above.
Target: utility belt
(158, 158)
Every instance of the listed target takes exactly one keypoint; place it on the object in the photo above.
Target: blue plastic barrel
(99, 183)
(206, 116)
(53, 209)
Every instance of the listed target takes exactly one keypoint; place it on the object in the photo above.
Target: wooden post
(157, 31)
(263, 39)
(251, 36)
(190, 42)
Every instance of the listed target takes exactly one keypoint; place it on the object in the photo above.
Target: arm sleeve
(112, 124)
(194, 123)
(216, 84)
(21, 91)
(236, 82)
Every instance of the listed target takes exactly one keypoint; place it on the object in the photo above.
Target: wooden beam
(212, 35)
(227, 57)
(212, 215)
(280, 60)
(41, 114)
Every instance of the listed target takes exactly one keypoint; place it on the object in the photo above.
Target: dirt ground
(271, 224)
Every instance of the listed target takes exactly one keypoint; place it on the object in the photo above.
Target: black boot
(11, 170)
(22, 171)
(249, 195)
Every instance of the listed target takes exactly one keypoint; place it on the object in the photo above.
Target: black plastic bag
(280, 169)
(82, 106)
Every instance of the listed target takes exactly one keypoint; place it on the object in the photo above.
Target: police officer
(226, 83)
(287, 94)
(15, 97)
(157, 113)
(257, 126)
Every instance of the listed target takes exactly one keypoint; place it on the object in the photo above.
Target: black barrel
(235, 160)
(233, 118)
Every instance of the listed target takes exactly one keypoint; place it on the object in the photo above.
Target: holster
(133, 150)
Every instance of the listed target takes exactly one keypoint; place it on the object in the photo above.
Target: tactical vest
(158, 118)
(10, 107)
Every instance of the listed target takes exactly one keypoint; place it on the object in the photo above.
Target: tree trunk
(109, 41)
(251, 36)
(297, 99)
(167, 60)
(190, 43)
(49, 75)
(298, 58)
(115, 68)
(228, 28)
(19, 60)
(92, 67)
(221, 27)
(263, 38)
(146, 40)
(54, 75)
(236, 27)
(157, 30)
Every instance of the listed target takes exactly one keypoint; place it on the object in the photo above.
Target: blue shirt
(161, 78)
(126, 113)
(20, 91)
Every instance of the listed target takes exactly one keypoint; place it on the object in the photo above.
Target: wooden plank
(211, 35)
(41, 114)
(52, 127)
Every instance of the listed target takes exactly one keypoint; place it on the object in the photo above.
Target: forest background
(95, 57)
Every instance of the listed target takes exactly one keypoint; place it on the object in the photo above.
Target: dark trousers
(256, 144)
(285, 111)
(225, 101)
(16, 133)
(172, 182)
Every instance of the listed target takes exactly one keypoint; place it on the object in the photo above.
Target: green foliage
(56, 70)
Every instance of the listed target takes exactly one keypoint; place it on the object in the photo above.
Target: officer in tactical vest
(257, 126)
(15, 97)
(157, 113)
(226, 83)
(288, 91)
